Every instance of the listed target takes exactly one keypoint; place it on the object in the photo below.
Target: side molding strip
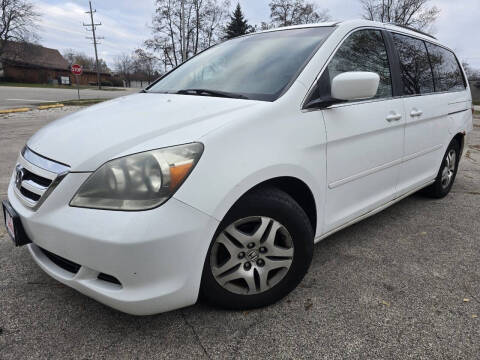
(341, 182)
(372, 212)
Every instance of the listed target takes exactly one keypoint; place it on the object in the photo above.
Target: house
(31, 63)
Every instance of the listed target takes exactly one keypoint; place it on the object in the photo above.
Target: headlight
(140, 181)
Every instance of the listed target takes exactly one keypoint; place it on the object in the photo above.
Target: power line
(92, 27)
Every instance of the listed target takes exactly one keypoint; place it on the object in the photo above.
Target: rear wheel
(260, 253)
(447, 173)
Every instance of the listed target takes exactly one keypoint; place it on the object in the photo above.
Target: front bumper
(157, 255)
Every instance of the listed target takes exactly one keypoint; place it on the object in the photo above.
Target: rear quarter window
(446, 70)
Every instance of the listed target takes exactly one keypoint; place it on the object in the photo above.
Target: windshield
(258, 66)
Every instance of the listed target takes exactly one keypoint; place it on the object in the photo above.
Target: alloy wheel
(251, 255)
(448, 171)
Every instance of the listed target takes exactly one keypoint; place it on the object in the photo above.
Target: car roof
(362, 23)
(302, 26)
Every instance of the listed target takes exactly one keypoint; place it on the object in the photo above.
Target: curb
(9, 111)
(25, 109)
(43, 107)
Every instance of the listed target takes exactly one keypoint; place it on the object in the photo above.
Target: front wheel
(260, 252)
(447, 173)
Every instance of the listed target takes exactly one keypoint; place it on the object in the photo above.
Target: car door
(364, 138)
(451, 90)
(426, 127)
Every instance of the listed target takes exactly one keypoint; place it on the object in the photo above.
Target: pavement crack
(195, 334)
(40, 283)
(466, 192)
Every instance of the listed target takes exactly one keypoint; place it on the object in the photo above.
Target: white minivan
(217, 180)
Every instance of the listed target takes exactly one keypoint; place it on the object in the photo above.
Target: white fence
(137, 84)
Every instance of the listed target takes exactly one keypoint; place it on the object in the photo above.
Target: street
(401, 284)
(15, 97)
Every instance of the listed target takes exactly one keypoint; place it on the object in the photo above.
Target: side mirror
(347, 86)
(355, 85)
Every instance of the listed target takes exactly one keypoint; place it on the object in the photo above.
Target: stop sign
(77, 69)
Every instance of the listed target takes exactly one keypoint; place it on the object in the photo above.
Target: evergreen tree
(238, 25)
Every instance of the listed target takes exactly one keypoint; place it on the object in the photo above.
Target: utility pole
(184, 45)
(92, 27)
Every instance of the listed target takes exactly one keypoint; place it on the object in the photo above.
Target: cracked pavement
(401, 284)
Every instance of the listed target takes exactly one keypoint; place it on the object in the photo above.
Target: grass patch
(81, 102)
(52, 86)
(476, 102)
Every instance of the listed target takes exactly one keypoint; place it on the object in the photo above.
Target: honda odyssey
(217, 179)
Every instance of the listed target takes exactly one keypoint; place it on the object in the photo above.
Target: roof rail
(413, 29)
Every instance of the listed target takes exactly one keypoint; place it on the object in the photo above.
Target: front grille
(65, 264)
(35, 177)
(29, 195)
(41, 181)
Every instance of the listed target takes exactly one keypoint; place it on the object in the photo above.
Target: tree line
(181, 29)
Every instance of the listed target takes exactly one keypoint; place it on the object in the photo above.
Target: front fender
(278, 141)
(261, 176)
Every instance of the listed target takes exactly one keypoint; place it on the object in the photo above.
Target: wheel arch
(460, 137)
(297, 189)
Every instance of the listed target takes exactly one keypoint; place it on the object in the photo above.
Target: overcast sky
(125, 23)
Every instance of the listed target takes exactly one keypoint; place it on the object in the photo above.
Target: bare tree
(215, 17)
(413, 13)
(263, 26)
(182, 28)
(294, 12)
(18, 19)
(123, 65)
(145, 64)
(472, 74)
(87, 62)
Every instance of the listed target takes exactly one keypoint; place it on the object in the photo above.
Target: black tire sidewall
(281, 207)
(438, 190)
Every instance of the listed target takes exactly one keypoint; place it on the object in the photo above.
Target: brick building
(30, 63)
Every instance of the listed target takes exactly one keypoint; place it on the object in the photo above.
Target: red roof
(32, 55)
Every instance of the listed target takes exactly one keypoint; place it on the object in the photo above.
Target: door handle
(393, 117)
(416, 112)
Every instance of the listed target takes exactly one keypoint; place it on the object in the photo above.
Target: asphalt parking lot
(15, 97)
(402, 284)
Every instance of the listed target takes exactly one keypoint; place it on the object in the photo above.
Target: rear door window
(415, 67)
(446, 70)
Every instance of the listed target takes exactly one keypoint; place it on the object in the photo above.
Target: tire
(270, 219)
(447, 173)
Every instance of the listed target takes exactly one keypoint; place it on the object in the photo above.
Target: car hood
(86, 139)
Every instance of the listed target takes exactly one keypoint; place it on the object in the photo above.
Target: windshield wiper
(207, 92)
